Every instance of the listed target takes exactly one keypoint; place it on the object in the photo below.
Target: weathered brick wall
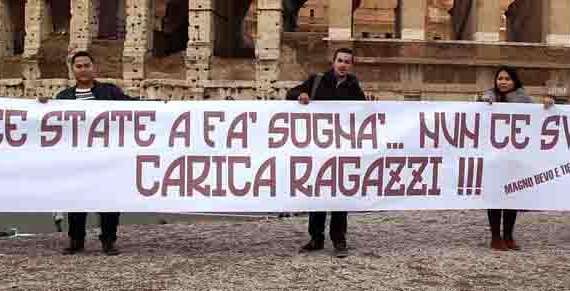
(388, 69)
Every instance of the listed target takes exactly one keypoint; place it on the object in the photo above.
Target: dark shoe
(109, 248)
(75, 246)
(58, 226)
(512, 245)
(340, 249)
(499, 245)
(313, 245)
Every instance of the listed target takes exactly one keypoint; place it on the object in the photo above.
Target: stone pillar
(485, 77)
(137, 39)
(486, 17)
(6, 30)
(412, 19)
(200, 41)
(267, 47)
(412, 80)
(486, 21)
(340, 19)
(34, 16)
(557, 25)
(81, 27)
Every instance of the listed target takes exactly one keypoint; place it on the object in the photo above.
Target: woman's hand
(548, 101)
(486, 98)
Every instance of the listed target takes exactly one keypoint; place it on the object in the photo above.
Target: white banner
(253, 156)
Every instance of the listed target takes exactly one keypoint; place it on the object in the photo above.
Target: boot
(512, 245)
(499, 245)
(109, 248)
(313, 245)
(75, 246)
(340, 249)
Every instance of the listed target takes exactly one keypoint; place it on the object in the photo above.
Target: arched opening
(54, 45)
(60, 15)
(170, 27)
(291, 10)
(461, 25)
(374, 18)
(234, 24)
(524, 21)
(311, 16)
(463, 22)
(108, 30)
(111, 16)
(234, 46)
(16, 10)
(234, 27)
(439, 25)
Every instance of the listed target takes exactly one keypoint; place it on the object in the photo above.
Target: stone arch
(232, 27)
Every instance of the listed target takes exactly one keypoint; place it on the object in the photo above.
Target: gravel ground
(423, 250)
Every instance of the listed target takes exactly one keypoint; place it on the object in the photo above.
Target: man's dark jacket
(101, 91)
(348, 90)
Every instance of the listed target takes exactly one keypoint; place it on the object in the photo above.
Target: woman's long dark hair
(512, 72)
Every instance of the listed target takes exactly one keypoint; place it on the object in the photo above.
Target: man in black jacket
(87, 88)
(336, 84)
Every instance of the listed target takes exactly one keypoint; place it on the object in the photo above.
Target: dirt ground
(414, 250)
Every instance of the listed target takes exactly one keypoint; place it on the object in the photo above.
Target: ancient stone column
(81, 27)
(557, 13)
(486, 21)
(412, 19)
(340, 19)
(35, 16)
(6, 30)
(267, 47)
(200, 41)
(137, 39)
(486, 17)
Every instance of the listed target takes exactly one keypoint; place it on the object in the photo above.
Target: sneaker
(313, 245)
(75, 246)
(340, 249)
(109, 248)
